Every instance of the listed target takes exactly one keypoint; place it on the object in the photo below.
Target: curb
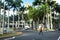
(15, 34)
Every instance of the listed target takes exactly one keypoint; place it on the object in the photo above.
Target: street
(30, 35)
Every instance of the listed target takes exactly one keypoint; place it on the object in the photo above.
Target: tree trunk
(18, 20)
(47, 21)
(43, 19)
(13, 20)
(0, 19)
(3, 22)
(22, 20)
(8, 19)
(30, 23)
(33, 25)
(38, 23)
(51, 19)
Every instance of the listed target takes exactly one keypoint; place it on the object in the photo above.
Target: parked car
(27, 27)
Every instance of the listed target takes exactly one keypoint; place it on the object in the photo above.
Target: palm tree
(47, 3)
(42, 9)
(0, 6)
(51, 4)
(4, 15)
(0, 11)
(56, 10)
(22, 9)
(3, 6)
(8, 8)
(16, 5)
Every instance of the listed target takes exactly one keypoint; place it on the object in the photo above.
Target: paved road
(28, 35)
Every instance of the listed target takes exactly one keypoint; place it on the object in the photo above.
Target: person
(40, 29)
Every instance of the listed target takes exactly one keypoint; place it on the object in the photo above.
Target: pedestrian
(40, 29)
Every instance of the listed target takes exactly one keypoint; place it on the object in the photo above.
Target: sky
(58, 1)
(30, 1)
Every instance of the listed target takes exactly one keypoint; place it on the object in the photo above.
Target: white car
(27, 27)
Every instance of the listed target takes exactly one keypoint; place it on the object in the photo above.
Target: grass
(10, 34)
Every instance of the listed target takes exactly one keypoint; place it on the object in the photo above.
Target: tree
(56, 19)
(34, 14)
(16, 4)
(48, 4)
(57, 8)
(0, 12)
(42, 7)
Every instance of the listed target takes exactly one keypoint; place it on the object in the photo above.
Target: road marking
(59, 38)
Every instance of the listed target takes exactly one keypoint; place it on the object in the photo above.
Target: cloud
(58, 1)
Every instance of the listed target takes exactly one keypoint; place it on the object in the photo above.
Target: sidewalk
(10, 35)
